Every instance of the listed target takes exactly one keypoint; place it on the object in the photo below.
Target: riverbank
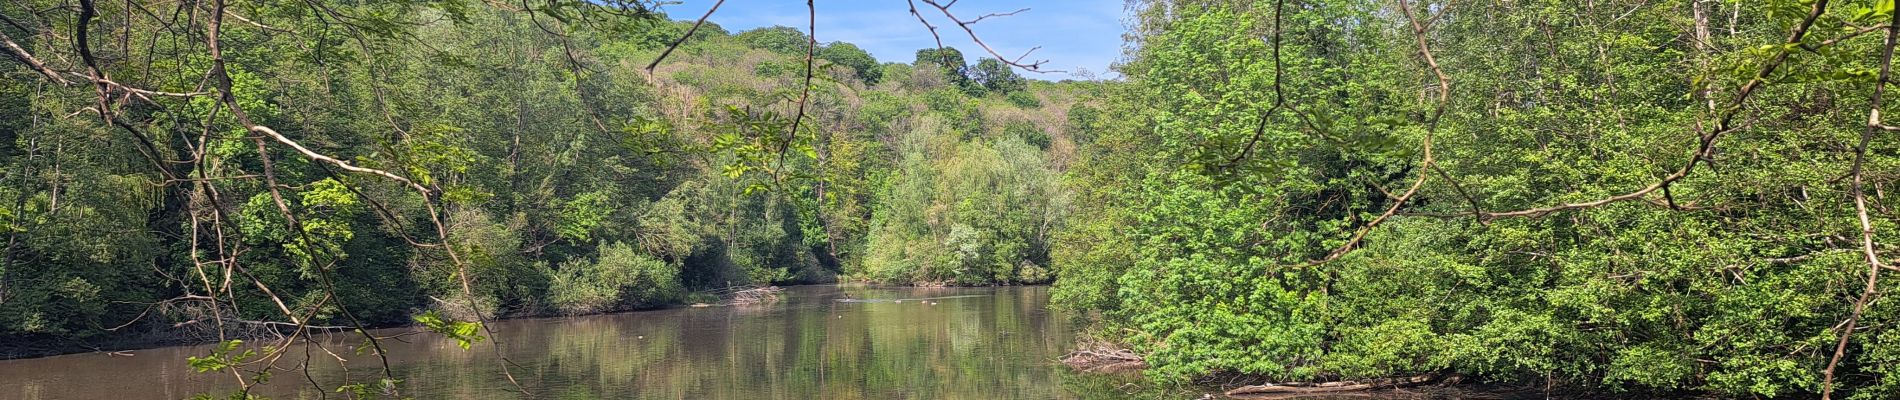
(16, 348)
(1094, 356)
(160, 335)
(166, 335)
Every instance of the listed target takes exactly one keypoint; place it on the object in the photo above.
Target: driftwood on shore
(201, 319)
(749, 294)
(1333, 387)
(1101, 357)
(1096, 356)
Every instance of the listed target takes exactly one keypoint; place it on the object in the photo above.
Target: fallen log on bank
(756, 295)
(1104, 358)
(747, 294)
(1334, 387)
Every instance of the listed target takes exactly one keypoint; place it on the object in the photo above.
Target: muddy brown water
(827, 342)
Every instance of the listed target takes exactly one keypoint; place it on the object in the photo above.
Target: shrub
(620, 278)
(1024, 99)
(1029, 133)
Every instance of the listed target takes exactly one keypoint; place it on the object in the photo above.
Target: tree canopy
(1622, 195)
(1627, 196)
(269, 170)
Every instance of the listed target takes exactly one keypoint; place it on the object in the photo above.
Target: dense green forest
(566, 178)
(1620, 195)
(1626, 195)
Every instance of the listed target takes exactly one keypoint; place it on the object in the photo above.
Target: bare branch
(927, 25)
(988, 16)
(1867, 246)
(944, 7)
(228, 97)
(306, 152)
(804, 95)
(1279, 96)
(21, 55)
(241, 18)
(1706, 148)
(143, 94)
(682, 39)
(1426, 161)
(1850, 35)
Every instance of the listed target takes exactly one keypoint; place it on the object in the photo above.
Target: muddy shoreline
(162, 335)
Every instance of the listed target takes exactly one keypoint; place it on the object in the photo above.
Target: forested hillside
(1619, 195)
(1610, 196)
(301, 163)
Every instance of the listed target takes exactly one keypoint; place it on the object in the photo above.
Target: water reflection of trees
(1000, 344)
(808, 346)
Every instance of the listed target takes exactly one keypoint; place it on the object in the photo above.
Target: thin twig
(1035, 66)
(804, 95)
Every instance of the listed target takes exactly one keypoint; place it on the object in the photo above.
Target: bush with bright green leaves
(619, 278)
(1225, 171)
(966, 213)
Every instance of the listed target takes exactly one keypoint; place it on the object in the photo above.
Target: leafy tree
(374, 164)
(778, 39)
(997, 77)
(966, 213)
(849, 55)
(1259, 218)
(949, 61)
(947, 58)
(620, 278)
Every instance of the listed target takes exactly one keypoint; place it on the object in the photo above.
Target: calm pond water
(829, 342)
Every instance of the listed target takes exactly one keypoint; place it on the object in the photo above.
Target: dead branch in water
(756, 295)
(1331, 387)
(748, 294)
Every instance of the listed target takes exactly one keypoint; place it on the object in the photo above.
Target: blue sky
(1074, 34)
